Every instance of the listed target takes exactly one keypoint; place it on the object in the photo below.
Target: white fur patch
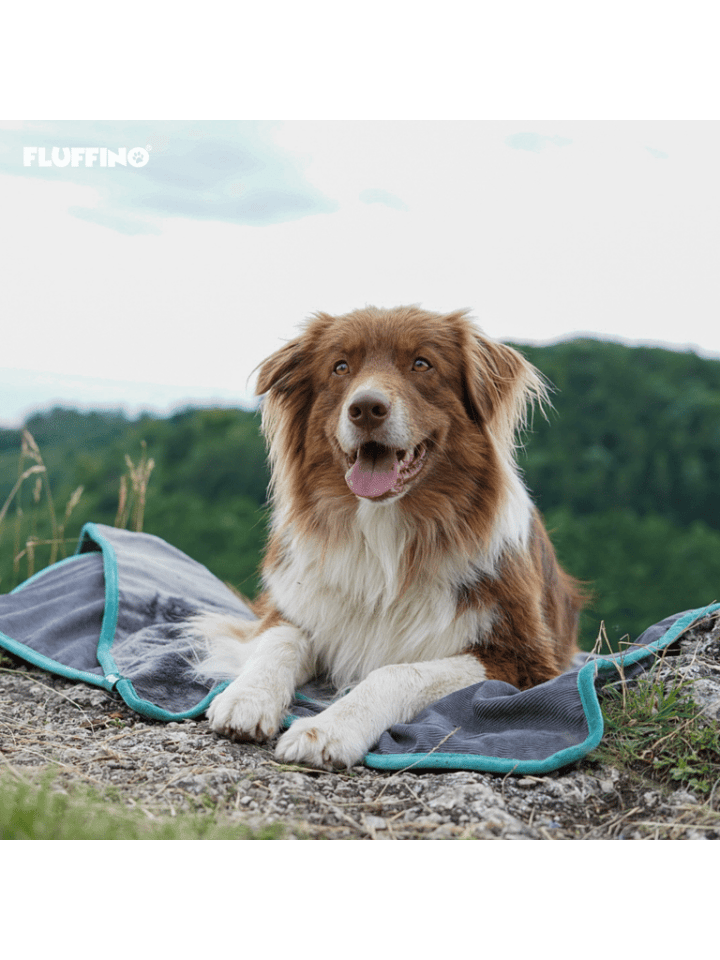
(396, 432)
(343, 733)
(252, 706)
(349, 600)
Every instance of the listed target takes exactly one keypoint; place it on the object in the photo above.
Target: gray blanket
(115, 615)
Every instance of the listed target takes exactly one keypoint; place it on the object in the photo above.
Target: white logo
(84, 157)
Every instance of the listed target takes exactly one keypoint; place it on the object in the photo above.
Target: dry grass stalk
(30, 450)
(131, 507)
(69, 507)
(37, 468)
(121, 517)
(138, 476)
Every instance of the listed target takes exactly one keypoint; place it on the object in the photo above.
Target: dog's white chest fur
(352, 601)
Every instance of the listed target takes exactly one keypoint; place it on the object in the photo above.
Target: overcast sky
(168, 282)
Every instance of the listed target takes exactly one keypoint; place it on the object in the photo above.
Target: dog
(405, 558)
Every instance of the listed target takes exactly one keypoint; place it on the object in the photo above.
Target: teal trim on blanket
(41, 573)
(21, 650)
(92, 540)
(147, 709)
(124, 686)
(91, 534)
(53, 666)
(603, 668)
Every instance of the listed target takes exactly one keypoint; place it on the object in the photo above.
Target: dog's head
(393, 396)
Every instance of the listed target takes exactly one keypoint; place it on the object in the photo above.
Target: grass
(654, 728)
(39, 530)
(42, 811)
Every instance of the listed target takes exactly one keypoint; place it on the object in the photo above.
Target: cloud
(215, 171)
(658, 154)
(376, 195)
(535, 142)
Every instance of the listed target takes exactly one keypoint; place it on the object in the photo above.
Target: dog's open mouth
(377, 471)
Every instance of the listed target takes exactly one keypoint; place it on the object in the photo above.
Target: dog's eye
(421, 364)
(341, 368)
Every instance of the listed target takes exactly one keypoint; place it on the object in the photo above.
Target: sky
(155, 285)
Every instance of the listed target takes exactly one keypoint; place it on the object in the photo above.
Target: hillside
(205, 493)
(626, 470)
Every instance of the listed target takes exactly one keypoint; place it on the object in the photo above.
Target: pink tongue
(372, 476)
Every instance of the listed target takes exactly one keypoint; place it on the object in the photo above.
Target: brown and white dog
(406, 560)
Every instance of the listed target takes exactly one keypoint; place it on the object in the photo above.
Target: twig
(419, 760)
(59, 693)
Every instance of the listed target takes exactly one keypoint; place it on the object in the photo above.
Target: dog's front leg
(342, 734)
(253, 705)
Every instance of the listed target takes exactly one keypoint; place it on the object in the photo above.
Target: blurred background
(552, 167)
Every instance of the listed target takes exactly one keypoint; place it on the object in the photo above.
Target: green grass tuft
(655, 729)
(42, 812)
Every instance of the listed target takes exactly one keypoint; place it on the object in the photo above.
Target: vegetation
(656, 733)
(197, 479)
(31, 811)
(626, 471)
(655, 729)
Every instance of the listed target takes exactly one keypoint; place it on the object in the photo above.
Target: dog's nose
(368, 409)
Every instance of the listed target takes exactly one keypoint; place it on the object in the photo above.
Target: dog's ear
(500, 387)
(284, 370)
(289, 368)
(285, 379)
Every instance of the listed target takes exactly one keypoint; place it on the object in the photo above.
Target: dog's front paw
(316, 743)
(246, 712)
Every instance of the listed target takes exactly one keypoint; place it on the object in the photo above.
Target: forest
(625, 468)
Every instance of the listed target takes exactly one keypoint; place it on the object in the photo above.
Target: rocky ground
(90, 737)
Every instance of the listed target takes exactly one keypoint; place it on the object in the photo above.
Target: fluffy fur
(406, 560)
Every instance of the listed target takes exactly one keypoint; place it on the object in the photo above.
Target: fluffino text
(84, 157)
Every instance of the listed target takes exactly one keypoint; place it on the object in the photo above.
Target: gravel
(90, 737)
